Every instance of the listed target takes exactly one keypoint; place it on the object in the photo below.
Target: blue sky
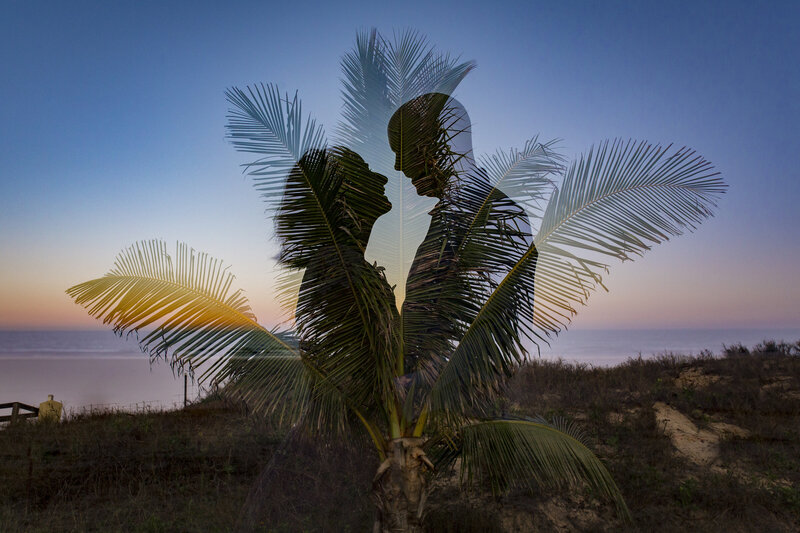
(113, 120)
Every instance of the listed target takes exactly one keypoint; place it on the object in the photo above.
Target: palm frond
(417, 68)
(493, 229)
(264, 123)
(190, 315)
(277, 385)
(617, 201)
(187, 308)
(289, 389)
(378, 77)
(525, 175)
(533, 453)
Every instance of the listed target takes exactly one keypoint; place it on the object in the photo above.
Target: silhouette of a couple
(431, 138)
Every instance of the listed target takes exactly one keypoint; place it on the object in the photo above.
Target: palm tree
(348, 363)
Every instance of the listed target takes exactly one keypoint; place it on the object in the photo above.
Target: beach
(98, 370)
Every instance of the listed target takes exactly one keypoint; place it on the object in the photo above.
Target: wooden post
(30, 477)
(185, 386)
(14, 412)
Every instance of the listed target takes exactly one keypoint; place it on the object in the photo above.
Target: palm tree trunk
(400, 487)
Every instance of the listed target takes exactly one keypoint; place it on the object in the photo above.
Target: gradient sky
(112, 130)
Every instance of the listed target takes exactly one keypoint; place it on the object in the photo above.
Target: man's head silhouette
(429, 135)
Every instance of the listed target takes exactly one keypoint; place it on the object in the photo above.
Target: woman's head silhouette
(338, 181)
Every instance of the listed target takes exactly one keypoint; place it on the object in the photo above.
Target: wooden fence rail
(15, 407)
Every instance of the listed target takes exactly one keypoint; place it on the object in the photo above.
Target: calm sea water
(96, 369)
(85, 370)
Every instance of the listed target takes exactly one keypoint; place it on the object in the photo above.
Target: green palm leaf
(290, 389)
(524, 175)
(533, 453)
(493, 231)
(190, 315)
(263, 123)
(275, 385)
(618, 201)
(186, 307)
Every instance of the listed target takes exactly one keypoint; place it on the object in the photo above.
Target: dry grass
(752, 486)
(214, 468)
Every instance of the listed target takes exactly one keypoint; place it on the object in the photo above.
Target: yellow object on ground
(50, 410)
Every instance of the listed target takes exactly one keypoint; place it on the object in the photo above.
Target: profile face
(344, 173)
(365, 186)
(414, 164)
(383, 202)
(415, 136)
(363, 190)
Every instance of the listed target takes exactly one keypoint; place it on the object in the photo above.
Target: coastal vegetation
(214, 466)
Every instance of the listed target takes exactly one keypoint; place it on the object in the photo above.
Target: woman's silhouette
(345, 316)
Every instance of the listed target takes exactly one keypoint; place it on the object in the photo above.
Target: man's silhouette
(431, 138)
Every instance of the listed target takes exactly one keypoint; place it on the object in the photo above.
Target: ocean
(98, 370)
